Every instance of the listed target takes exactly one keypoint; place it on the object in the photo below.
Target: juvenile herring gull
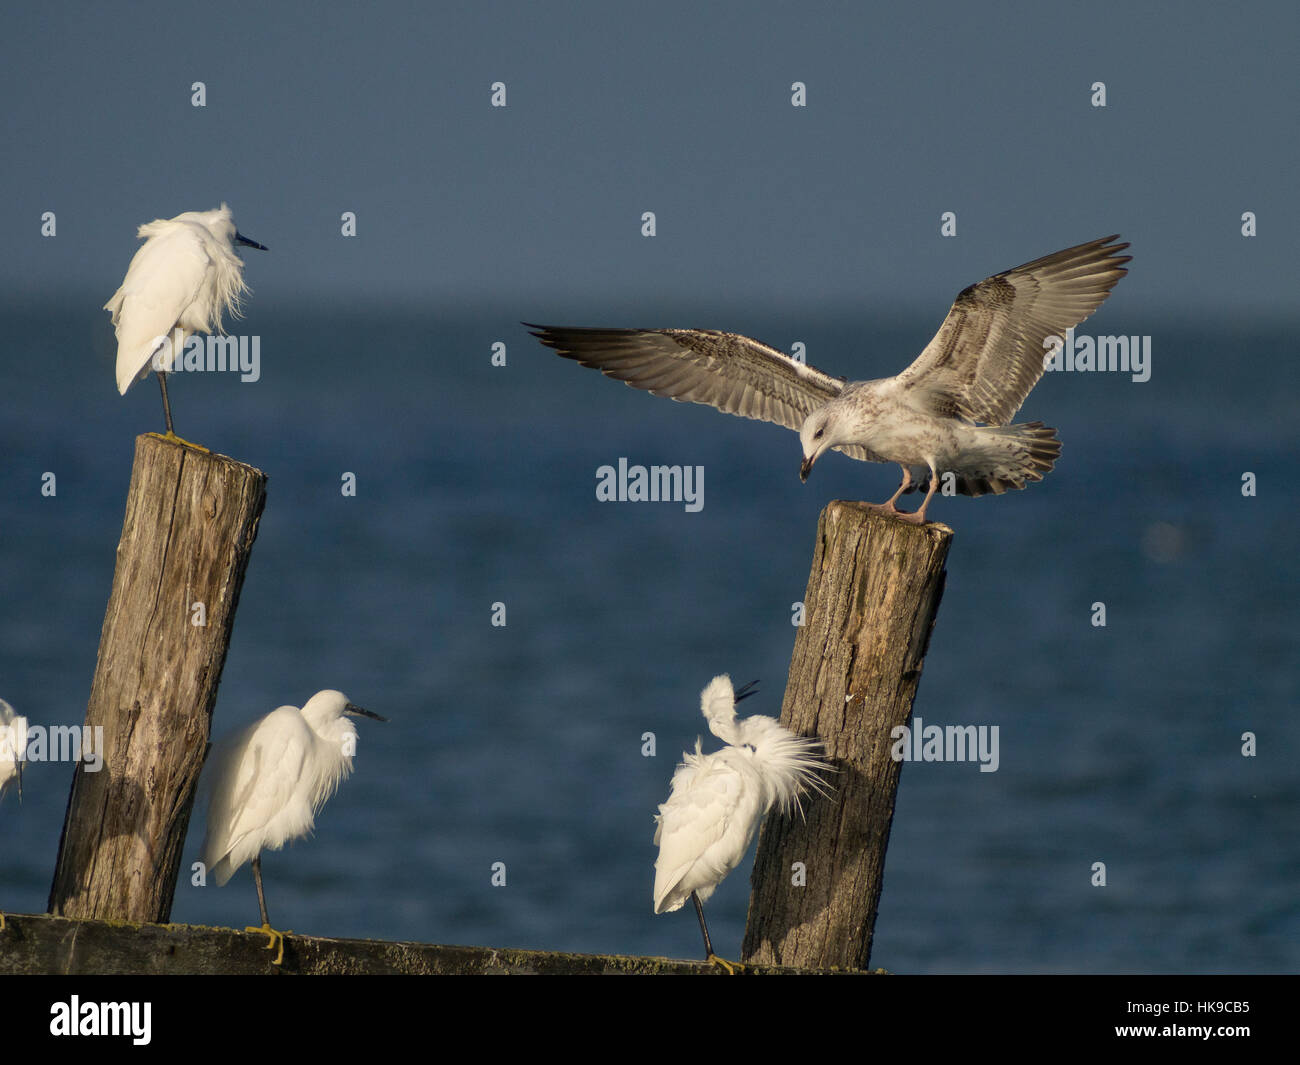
(947, 413)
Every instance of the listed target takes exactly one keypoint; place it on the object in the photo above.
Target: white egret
(184, 278)
(13, 747)
(717, 799)
(270, 780)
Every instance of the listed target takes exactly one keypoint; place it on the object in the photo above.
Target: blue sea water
(522, 744)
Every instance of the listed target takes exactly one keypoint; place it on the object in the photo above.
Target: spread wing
(734, 373)
(725, 370)
(989, 351)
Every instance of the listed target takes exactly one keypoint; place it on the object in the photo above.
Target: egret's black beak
(805, 468)
(355, 710)
(746, 691)
(241, 239)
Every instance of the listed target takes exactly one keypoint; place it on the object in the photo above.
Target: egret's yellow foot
(172, 438)
(276, 940)
(732, 967)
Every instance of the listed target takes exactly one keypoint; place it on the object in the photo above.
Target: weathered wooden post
(873, 595)
(191, 518)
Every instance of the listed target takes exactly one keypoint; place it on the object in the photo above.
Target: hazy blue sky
(681, 109)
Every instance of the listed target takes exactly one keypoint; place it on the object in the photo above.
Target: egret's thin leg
(704, 928)
(261, 898)
(730, 966)
(167, 413)
(167, 407)
(275, 939)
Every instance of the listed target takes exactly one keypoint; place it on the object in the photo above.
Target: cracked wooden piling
(191, 518)
(872, 599)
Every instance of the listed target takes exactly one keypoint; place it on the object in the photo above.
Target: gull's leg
(918, 517)
(730, 966)
(907, 480)
(889, 507)
(276, 939)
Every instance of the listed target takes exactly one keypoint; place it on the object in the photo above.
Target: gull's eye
(818, 434)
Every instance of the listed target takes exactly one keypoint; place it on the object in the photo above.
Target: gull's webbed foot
(884, 508)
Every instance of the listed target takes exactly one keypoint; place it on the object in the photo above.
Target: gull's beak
(746, 691)
(805, 468)
(355, 710)
(241, 239)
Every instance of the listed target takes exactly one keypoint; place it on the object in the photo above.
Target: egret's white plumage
(13, 744)
(716, 800)
(186, 276)
(980, 366)
(270, 780)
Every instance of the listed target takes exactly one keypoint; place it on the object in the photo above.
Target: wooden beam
(191, 518)
(42, 944)
(873, 595)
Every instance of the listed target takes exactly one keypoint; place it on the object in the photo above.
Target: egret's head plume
(718, 705)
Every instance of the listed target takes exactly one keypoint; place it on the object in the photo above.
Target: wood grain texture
(191, 518)
(873, 595)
